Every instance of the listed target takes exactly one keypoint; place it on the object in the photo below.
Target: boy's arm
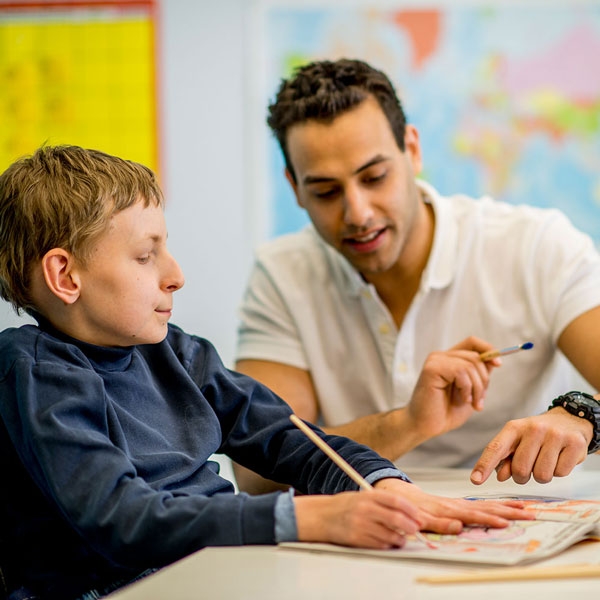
(451, 386)
(290, 383)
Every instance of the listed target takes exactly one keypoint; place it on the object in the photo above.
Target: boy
(109, 414)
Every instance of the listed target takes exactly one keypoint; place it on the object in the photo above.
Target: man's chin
(369, 267)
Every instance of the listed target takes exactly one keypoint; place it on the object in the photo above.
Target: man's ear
(60, 275)
(294, 185)
(413, 148)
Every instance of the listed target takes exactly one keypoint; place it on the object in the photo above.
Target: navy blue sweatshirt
(105, 457)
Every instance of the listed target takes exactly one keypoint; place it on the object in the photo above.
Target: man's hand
(452, 385)
(545, 446)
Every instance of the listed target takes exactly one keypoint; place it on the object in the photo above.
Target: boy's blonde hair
(62, 197)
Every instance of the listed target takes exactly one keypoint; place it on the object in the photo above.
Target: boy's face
(358, 187)
(126, 288)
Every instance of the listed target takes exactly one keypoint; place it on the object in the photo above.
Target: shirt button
(402, 367)
(384, 328)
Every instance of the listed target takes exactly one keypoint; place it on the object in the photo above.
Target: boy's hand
(448, 515)
(380, 518)
(367, 519)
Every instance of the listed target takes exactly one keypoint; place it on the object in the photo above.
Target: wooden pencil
(516, 574)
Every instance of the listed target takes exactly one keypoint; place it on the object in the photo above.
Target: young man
(345, 320)
(109, 414)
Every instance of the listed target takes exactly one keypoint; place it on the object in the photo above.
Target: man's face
(357, 186)
(128, 283)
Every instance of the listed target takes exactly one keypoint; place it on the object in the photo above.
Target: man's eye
(324, 194)
(144, 259)
(374, 178)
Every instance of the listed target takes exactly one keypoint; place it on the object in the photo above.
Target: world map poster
(505, 95)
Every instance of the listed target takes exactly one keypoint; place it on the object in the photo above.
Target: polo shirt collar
(442, 263)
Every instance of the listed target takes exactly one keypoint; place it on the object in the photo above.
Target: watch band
(584, 406)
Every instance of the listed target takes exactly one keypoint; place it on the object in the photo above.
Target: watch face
(586, 399)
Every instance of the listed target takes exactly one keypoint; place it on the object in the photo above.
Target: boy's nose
(175, 279)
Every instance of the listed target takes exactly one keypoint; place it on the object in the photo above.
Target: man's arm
(451, 386)
(551, 444)
(580, 343)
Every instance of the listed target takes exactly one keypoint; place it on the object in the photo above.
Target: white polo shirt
(507, 274)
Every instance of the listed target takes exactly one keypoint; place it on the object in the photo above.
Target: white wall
(202, 76)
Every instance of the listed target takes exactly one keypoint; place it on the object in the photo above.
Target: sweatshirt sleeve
(258, 434)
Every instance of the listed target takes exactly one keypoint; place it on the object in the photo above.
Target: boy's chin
(159, 337)
(156, 337)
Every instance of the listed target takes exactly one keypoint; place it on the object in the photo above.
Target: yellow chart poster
(79, 73)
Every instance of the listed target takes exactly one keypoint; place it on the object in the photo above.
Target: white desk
(267, 572)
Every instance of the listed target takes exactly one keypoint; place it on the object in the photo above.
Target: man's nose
(357, 207)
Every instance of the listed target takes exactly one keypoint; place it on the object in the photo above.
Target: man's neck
(398, 286)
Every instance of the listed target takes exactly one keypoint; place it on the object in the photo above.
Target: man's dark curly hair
(323, 90)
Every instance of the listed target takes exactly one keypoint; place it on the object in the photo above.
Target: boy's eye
(144, 259)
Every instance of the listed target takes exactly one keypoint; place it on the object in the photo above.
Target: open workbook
(559, 523)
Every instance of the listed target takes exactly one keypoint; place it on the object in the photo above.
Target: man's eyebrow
(311, 179)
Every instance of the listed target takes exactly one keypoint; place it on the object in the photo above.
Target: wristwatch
(582, 405)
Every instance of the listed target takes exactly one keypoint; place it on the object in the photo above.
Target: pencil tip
(526, 345)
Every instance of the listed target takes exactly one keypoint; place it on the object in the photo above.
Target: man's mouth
(366, 242)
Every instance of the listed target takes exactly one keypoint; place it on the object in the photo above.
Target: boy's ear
(60, 276)
(294, 185)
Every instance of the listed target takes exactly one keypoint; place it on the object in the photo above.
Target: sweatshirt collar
(103, 357)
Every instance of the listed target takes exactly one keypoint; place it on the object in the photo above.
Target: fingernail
(476, 476)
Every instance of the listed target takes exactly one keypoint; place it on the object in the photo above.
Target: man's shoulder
(497, 210)
(489, 216)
